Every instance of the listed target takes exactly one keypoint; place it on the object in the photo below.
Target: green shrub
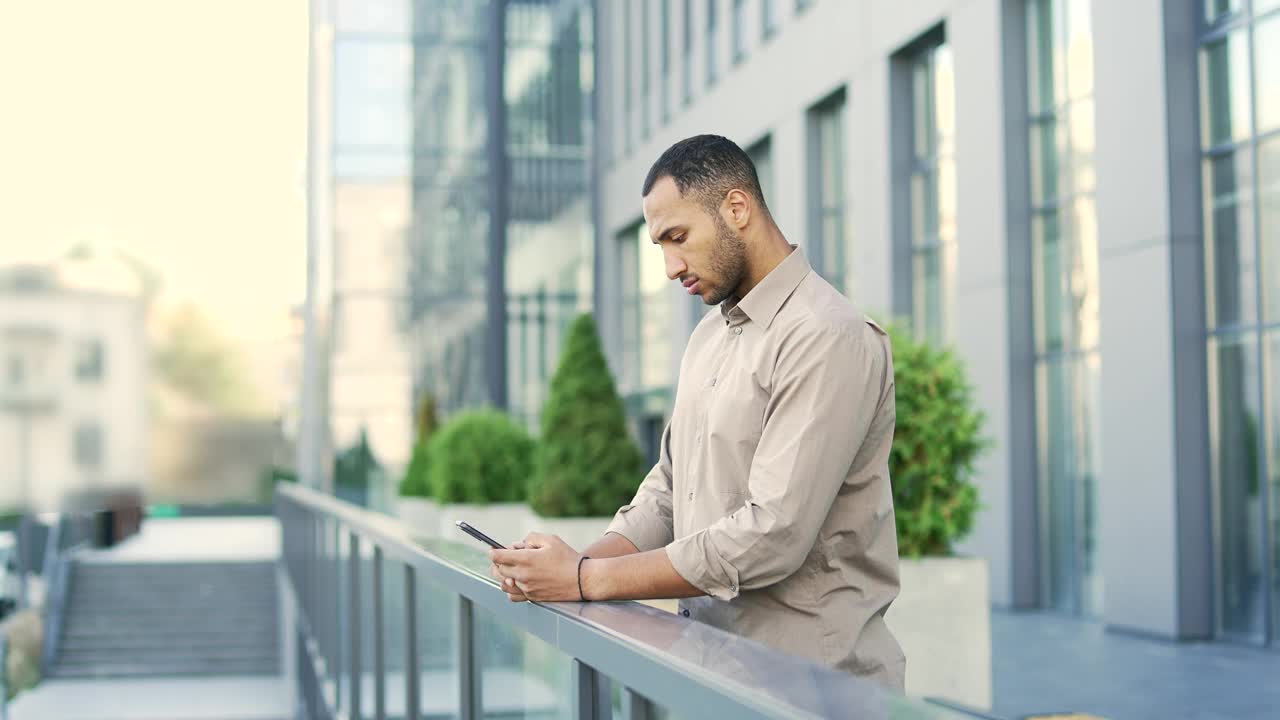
(937, 440)
(414, 483)
(479, 457)
(587, 464)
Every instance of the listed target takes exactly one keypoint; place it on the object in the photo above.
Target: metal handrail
(57, 567)
(658, 658)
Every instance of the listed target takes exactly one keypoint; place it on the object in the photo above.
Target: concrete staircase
(153, 619)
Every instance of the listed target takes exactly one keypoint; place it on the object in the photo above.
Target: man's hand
(508, 585)
(542, 568)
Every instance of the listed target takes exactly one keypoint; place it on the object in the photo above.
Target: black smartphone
(464, 527)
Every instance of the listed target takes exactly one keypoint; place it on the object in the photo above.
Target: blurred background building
(73, 358)
(1083, 199)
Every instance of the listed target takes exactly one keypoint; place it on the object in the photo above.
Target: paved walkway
(1045, 663)
(202, 539)
(212, 698)
(232, 539)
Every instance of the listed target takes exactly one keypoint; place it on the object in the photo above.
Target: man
(769, 511)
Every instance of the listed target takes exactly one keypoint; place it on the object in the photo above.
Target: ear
(737, 209)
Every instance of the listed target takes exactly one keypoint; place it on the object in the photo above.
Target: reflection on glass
(1048, 276)
(1269, 227)
(1083, 279)
(1215, 9)
(1273, 421)
(933, 191)
(521, 677)
(1266, 64)
(828, 223)
(1058, 506)
(1224, 89)
(1044, 161)
(1235, 395)
(1230, 258)
(1064, 246)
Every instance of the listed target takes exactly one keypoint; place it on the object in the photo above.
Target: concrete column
(1153, 497)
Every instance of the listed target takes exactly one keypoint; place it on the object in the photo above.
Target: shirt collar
(764, 301)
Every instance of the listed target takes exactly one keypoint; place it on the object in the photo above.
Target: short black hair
(707, 167)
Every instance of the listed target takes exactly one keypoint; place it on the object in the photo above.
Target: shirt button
(737, 331)
(684, 613)
(690, 496)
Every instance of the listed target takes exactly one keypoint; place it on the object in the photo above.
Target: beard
(728, 262)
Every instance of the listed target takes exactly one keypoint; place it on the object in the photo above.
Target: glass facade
(827, 219)
(1064, 239)
(549, 83)
(1240, 139)
(932, 192)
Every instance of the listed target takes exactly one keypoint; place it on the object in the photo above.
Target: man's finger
(513, 597)
(508, 557)
(535, 540)
(519, 546)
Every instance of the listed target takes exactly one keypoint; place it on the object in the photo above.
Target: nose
(675, 264)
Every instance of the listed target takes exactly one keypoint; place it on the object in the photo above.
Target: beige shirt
(771, 493)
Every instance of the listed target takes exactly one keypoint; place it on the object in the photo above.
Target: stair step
(186, 640)
(118, 669)
(177, 654)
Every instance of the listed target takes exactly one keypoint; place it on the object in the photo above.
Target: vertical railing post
(353, 620)
(379, 658)
(636, 706)
(469, 680)
(412, 705)
(590, 693)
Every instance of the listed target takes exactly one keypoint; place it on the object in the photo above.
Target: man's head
(703, 204)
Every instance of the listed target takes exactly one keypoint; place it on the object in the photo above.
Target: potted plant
(478, 466)
(942, 616)
(587, 465)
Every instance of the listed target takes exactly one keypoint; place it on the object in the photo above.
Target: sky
(173, 129)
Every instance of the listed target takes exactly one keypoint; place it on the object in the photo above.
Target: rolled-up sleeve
(646, 521)
(826, 389)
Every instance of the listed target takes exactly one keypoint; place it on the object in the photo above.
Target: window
(768, 19)
(664, 34)
(627, 92)
(739, 30)
(826, 177)
(88, 445)
(1240, 125)
(646, 70)
(713, 68)
(90, 360)
(1064, 249)
(761, 155)
(931, 188)
(686, 66)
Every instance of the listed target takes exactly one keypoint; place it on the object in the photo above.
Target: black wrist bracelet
(581, 597)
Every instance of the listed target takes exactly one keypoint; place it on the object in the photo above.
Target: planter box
(942, 619)
(420, 515)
